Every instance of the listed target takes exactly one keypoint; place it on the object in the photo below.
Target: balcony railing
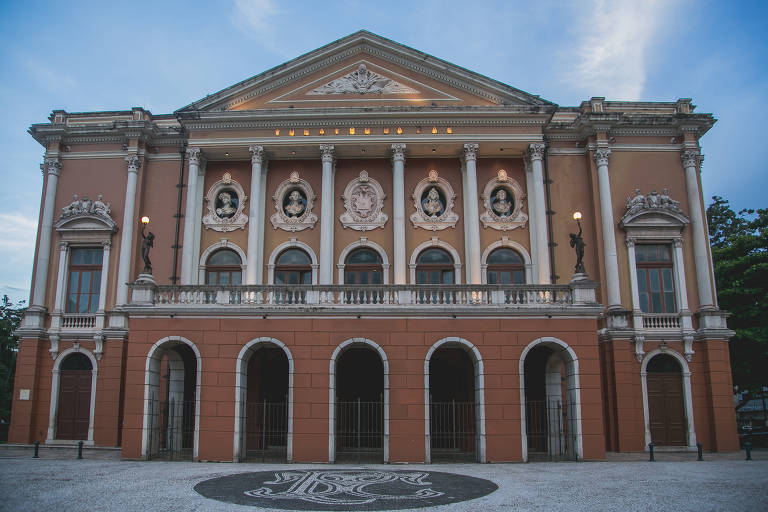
(78, 321)
(661, 321)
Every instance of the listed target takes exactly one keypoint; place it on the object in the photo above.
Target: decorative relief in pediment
(363, 201)
(363, 81)
(653, 210)
(86, 215)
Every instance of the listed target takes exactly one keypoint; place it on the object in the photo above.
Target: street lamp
(577, 242)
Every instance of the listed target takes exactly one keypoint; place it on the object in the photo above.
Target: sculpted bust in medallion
(501, 205)
(432, 204)
(295, 205)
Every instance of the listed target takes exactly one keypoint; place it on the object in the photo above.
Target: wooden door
(666, 408)
(74, 412)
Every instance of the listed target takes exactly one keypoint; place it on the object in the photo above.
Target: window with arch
(84, 280)
(505, 266)
(293, 266)
(655, 278)
(224, 267)
(363, 266)
(434, 266)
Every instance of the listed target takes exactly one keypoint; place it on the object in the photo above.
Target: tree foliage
(10, 317)
(740, 253)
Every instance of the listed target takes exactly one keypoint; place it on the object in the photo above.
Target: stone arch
(332, 393)
(291, 244)
(221, 244)
(567, 357)
(510, 244)
(241, 374)
(151, 385)
(687, 394)
(357, 244)
(435, 242)
(55, 382)
(477, 362)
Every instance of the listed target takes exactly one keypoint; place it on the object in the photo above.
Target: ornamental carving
(363, 81)
(363, 200)
(293, 204)
(503, 201)
(653, 211)
(86, 215)
(225, 201)
(433, 200)
(652, 201)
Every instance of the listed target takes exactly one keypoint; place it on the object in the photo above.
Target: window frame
(93, 295)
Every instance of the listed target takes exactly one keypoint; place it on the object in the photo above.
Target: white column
(188, 265)
(398, 212)
(199, 193)
(106, 247)
(700, 255)
(533, 219)
(126, 240)
(636, 312)
(253, 273)
(472, 215)
(61, 278)
(326, 216)
(536, 155)
(53, 168)
(609, 235)
(682, 288)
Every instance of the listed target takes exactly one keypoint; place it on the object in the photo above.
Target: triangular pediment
(363, 70)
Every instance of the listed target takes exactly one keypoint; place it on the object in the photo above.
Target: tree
(10, 318)
(740, 253)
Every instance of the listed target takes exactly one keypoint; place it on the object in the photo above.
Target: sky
(91, 56)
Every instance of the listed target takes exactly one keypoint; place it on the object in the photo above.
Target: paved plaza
(675, 482)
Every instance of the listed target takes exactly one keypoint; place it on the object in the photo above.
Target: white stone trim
(573, 389)
(292, 243)
(363, 242)
(511, 244)
(55, 383)
(479, 371)
(241, 386)
(149, 386)
(435, 242)
(221, 244)
(332, 394)
(687, 395)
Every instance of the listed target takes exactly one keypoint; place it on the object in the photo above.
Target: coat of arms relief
(363, 201)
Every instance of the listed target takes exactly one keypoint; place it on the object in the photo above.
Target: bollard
(37, 447)
(748, 448)
(79, 449)
(650, 452)
(700, 447)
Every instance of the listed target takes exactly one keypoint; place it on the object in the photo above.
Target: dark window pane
(448, 277)
(506, 277)
(666, 275)
(505, 256)
(306, 277)
(363, 256)
(655, 282)
(224, 257)
(669, 302)
(644, 304)
(237, 277)
(376, 277)
(656, 302)
(279, 277)
(294, 257)
(434, 256)
(642, 283)
(434, 277)
(519, 277)
(492, 278)
(421, 277)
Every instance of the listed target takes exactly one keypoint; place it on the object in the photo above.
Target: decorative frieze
(363, 81)
(363, 201)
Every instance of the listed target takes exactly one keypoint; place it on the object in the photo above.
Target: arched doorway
(360, 396)
(263, 426)
(550, 401)
(172, 400)
(666, 405)
(74, 401)
(455, 402)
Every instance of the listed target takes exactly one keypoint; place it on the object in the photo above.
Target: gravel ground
(102, 485)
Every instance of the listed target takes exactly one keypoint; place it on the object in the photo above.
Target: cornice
(373, 139)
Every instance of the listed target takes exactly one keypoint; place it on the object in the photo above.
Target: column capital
(536, 151)
(63, 246)
(691, 157)
(630, 242)
(327, 152)
(257, 154)
(106, 244)
(53, 166)
(470, 151)
(194, 155)
(601, 156)
(133, 162)
(398, 152)
(677, 242)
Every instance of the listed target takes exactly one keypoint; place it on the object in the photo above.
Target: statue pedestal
(143, 290)
(579, 277)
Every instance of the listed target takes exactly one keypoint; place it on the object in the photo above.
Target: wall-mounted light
(322, 131)
(277, 131)
(145, 220)
(434, 129)
(399, 130)
(449, 130)
(351, 130)
(306, 132)
(335, 131)
(577, 216)
(290, 132)
(367, 131)
(386, 131)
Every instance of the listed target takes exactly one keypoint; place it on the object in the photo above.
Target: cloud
(609, 56)
(256, 18)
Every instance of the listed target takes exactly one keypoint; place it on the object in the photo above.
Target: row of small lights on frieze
(353, 131)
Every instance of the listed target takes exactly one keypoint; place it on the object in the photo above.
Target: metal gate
(550, 430)
(360, 431)
(171, 430)
(453, 431)
(266, 431)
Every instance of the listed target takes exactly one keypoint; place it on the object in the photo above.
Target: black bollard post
(748, 448)
(650, 452)
(79, 449)
(37, 447)
(700, 447)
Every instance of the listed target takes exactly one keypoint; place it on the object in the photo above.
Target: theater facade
(368, 253)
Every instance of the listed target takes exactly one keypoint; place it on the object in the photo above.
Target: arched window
(293, 266)
(363, 266)
(505, 266)
(224, 267)
(434, 266)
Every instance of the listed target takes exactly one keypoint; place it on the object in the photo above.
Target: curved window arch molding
(225, 201)
(503, 201)
(687, 395)
(221, 244)
(363, 200)
(55, 384)
(294, 199)
(363, 242)
(511, 244)
(292, 243)
(434, 192)
(435, 242)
